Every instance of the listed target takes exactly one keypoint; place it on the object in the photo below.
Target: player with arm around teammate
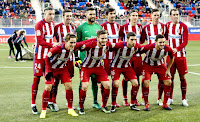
(154, 63)
(124, 51)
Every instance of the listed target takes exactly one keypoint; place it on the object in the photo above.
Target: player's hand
(174, 50)
(56, 44)
(48, 76)
(168, 73)
(102, 62)
(78, 64)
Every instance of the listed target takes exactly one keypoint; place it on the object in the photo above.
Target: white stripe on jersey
(177, 39)
(59, 34)
(64, 30)
(45, 52)
(115, 59)
(147, 36)
(52, 28)
(88, 58)
(96, 52)
(159, 28)
(109, 32)
(147, 53)
(123, 54)
(70, 54)
(59, 61)
(153, 56)
(48, 32)
(152, 34)
(161, 54)
(170, 33)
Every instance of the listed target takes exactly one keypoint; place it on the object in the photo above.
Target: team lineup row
(111, 52)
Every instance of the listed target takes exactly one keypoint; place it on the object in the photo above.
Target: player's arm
(171, 60)
(39, 36)
(25, 41)
(56, 33)
(185, 39)
(80, 44)
(143, 35)
(143, 49)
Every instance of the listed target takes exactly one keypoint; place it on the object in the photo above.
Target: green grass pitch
(15, 95)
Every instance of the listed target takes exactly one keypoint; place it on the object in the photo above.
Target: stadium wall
(5, 33)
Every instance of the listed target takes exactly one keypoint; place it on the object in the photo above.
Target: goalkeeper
(87, 31)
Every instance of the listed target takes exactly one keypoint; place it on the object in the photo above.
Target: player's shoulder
(117, 24)
(124, 25)
(60, 24)
(168, 47)
(183, 24)
(148, 25)
(40, 23)
(140, 25)
(82, 25)
(103, 24)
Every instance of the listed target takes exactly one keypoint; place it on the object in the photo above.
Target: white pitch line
(15, 67)
(4, 44)
(194, 65)
(3, 49)
(194, 73)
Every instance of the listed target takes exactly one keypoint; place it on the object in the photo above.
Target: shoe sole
(82, 113)
(35, 113)
(112, 111)
(136, 109)
(147, 109)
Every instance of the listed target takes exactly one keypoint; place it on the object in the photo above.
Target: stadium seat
(61, 0)
(118, 4)
(193, 11)
(193, 8)
(20, 2)
(121, 7)
(174, 4)
(188, 8)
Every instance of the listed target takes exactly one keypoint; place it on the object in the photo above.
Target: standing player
(10, 42)
(149, 33)
(60, 31)
(178, 39)
(154, 63)
(136, 60)
(113, 36)
(95, 50)
(44, 31)
(121, 65)
(85, 31)
(56, 65)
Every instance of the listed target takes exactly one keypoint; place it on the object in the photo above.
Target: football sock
(124, 88)
(138, 79)
(172, 89)
(82, 96)
(183, 88)
(167, 90)
(145, 93)
(94, 88)
(69, 97)
(106, 96)
(114, 94)
(160, 89)
(34, 89)
(134, 92)
(102, 91)
(45, 99)
(55, 90)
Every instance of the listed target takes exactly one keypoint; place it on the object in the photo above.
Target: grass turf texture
(15, 95)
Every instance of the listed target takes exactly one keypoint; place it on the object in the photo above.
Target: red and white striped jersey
(123, 54)
(94, 54)
(155, 57)
(58, 56)
(150, 31)
(178, 37)
(61, 30)
(44, 32)
(113, 35)
(126, 28)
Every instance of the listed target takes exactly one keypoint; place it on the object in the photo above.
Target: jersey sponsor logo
(86, 31)
(161, 30)
(175, 36)
(178, 30)
(138, 36)
(113, 36)
(49, 54)
(63, 59)
(157, 59)
(38, 33)
(97, 58)
(83, 47)
(125, 57)
(152, 37)
(49, 37)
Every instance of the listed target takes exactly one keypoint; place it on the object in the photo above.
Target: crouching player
(95, 50)
(124, 51)
(56, 65)
(154, 63)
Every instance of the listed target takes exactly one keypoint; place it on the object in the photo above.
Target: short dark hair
(68, 10)
(21, 32)
(90, 9)
(133, 11)
(154, 10)
(69, 36)
(159, 36)
(109, 10)
(48, 8)
(170, 13)
(100, 32)
(15, 31)
(130, 34)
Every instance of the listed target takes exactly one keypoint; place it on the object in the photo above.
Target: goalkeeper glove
(48, 76)
(78, 63)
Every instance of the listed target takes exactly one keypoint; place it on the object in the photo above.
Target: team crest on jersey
(38, 33)
(49, 54)
(83, 47)
(161, 30)
(178, 31)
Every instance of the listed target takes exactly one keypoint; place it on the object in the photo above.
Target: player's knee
(167, 82)
(48, 87)
(107, 86)
(146, 83)
(134, 82)
(182, 77)
(84, 87)
(116, 83)
(68, 86)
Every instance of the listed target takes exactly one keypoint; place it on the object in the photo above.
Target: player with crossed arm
(95, 50)
(56, 65)
(154, 63)
(113, 36)
(149, 33)
(44, 31)
(178, 39)
(136, 60)
(60, 31)
(124, 51)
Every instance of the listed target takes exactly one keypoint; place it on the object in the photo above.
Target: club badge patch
(38, 33)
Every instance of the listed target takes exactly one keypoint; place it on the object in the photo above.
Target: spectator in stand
(1, 11)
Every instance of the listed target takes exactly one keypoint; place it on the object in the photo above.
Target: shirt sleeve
(56, 33)
(25, 41)
(50, 56)
(39, 36)
(170, 52)
(80, 44)
(121, 33)
(79, 33)
(185, 38)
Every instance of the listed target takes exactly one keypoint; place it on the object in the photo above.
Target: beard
(91, 20)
